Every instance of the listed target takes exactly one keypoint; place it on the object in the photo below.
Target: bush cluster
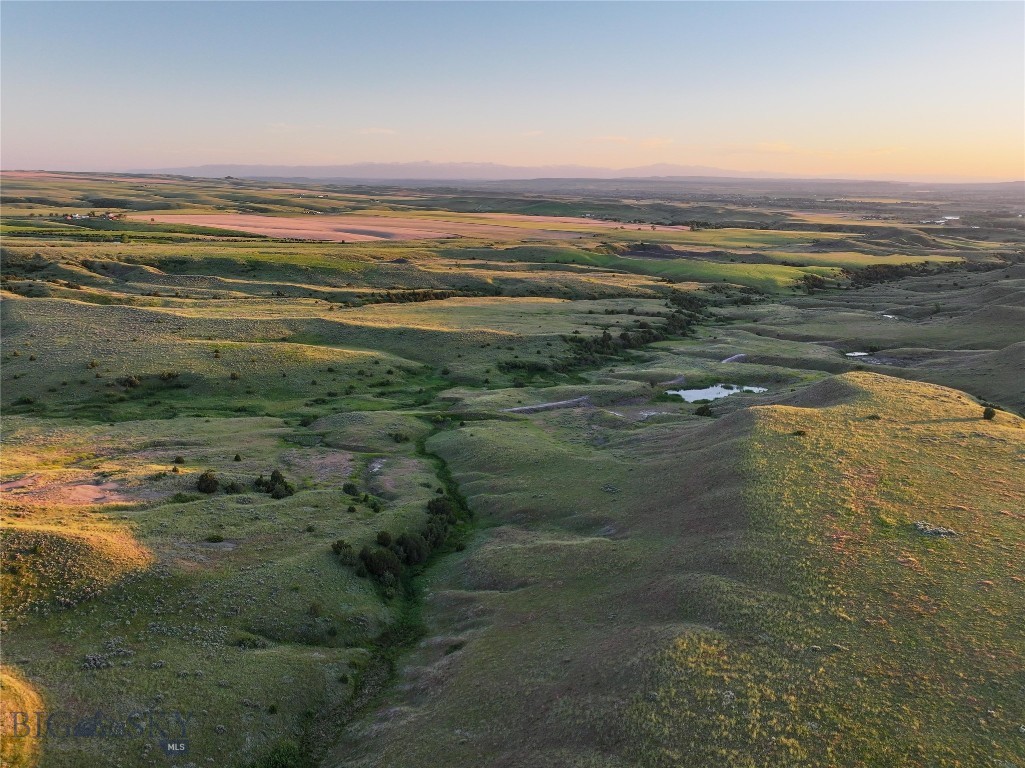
(590, 350)
(390, 555)
(276, 486)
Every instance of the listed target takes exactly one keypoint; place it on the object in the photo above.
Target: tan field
(352, 229)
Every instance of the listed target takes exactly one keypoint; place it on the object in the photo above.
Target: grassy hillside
(727, 593)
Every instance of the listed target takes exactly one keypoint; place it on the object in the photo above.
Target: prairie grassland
(279, 358)
(241, 599)
(203, 431)
(375, 225)
(685, 593)
(855, 260)
(771, 278)
(885, 631)
(962, 330)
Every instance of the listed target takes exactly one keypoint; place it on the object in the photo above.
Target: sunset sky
(909, 90)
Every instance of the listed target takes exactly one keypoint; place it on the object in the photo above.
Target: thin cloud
(378, 131)
(532, 133)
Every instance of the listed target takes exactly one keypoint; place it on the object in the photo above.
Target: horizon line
(724, 173)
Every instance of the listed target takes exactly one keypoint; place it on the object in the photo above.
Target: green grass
(854, 259)
(771, 278)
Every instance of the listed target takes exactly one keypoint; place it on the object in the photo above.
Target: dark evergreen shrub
(381, 563)
(415, 548)
(207, 482)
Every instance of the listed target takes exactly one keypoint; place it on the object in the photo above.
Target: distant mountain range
(458, 172)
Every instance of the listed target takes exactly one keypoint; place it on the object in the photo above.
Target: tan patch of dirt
(85, 493)
(21, 482)
(327, 466)
(386, 476)
(33, 490)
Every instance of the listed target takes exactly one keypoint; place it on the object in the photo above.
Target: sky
(906, 90)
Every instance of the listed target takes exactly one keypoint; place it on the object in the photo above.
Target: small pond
(857, 354)
(712, 393)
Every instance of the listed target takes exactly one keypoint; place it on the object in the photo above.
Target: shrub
(215, 538)
(249, 640)
(443, 507)
(238, 457)
(344, 552)
(436, 530)
(281, 491)
(179, 459)
(381, 563)
(414, 548)
(384, 538)
(207, 482)
(351, 509)
(233, 486)
(989, 413)
(350, 488)
(703, 410)
(277, 486)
